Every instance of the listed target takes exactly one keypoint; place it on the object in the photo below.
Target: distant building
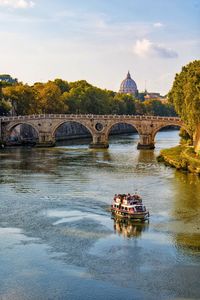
(128, 86)
(152, 96)
(7, 78)
(155, 96)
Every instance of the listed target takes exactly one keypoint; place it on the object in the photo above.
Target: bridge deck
(87, 116)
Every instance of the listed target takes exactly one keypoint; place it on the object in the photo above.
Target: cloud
(17, 3)
(102, 25)
(158, 24)
(146, 48)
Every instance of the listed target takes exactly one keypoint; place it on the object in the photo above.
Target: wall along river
(57, 238)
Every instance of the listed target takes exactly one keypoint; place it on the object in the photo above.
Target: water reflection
(146, 156)
(59, 197)
(186, 212)
(188, 242)
(102, 156)
(129, 229)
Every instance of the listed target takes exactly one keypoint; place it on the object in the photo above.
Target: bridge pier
(45, 140)
(146, 142)
(99, 142)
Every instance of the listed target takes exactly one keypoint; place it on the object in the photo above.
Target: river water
(57, 238)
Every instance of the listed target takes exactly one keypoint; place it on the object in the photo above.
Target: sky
(99, 40)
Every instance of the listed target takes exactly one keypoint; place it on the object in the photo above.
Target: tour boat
(129, 206)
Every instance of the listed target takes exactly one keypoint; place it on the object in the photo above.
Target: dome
(128, 86)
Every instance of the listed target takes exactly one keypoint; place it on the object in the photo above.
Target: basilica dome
(128, 86)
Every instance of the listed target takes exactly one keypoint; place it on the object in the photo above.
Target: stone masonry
(99, 127)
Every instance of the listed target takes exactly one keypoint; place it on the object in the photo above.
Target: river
(57, 238)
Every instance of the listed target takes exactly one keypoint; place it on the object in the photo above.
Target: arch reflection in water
(128, 228)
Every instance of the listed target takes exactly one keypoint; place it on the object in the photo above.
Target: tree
(140, 108)
(5, 107)
(49, 98)
(21, 97)
(124, 104)
(80, 83)
(85, 98)
(185, 94)
(62, 84)
(185, 137)
(157, 108)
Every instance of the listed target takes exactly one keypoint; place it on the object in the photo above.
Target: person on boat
(120, 197)
(124, 198)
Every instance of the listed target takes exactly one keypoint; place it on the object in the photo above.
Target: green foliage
(49, 98)
(59, 96)
(5, 107)
(157, 108)
(140, 108)
(123, 104)
(62, 84)
(172, 156)
(181, 157)
(79, 84)
(85, 98)
(185, 137)
(185, 94)
(22, 98)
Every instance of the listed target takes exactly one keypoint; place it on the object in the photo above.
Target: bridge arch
(113, 124)
(161, 126)
(13, 125)
(61, 123)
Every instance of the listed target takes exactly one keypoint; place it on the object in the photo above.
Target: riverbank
(182, 158)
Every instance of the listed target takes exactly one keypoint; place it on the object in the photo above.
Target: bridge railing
(86, 116)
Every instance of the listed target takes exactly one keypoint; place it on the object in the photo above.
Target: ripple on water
(70, 216)
(61, 243)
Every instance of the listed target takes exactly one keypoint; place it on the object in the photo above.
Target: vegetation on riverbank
(80, 97)
(185, 96)
(181, 157)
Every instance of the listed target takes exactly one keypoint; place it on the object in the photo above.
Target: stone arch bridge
(99, 126)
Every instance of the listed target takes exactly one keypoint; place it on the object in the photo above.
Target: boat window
(139, 208)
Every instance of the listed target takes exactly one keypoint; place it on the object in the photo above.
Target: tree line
(80, 97)
(185, 94)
